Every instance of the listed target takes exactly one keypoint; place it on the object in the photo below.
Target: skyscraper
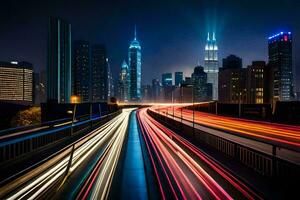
(111, 82)
(81, 70)
(59, 61)
(280, 60)
(201, 89)
(178, 78)
(166, 79)
(99, 74)
(16, 82)
(211, 63)
(124, 83)
(134, 60)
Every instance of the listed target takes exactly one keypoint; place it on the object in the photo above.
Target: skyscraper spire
(208, 36)
(214, 36)
(134, 32)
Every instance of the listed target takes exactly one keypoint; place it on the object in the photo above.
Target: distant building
(59, 61)
(16, 82)
(258, 83)
(81, 70)
(232, 81)
(188, 81)
(166, 79)
(99, 74)
(124, 83)
(134, 61)
(178, 78)
(280, 60)
(111, 82)
(211, 64)
(202, 89)
(156, 90)
(146, 93)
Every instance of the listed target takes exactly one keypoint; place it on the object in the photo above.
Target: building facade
(232, 81)
(280, 60)
(124, 83)
(178, 78)
(156, 90)
(211, 63)
(201, 89)
(135, 64)
(166, 79)
(258, 83)
(16, 82)
(59, 61)
(81, 70)
(99, 73)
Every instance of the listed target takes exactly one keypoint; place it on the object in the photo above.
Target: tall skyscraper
(111, 82)
(211, 63)
(202, 89)
(178, 78)
(232, 80)
(166, 79)
(81, 70)
(59, 61)
(280, 60)
(124, 83)
(134, 60)
(16, 82)
(99, 74)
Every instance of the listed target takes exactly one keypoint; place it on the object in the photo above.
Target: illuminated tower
(281, 62)
(124, 83)
(134, 60)
(211, 64)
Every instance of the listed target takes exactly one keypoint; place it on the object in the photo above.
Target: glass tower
(211, 63)
(59, 61)
(134, 60)
(280, 59)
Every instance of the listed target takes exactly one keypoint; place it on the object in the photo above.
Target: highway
(49, 177)
(185, 172)
(286, 135)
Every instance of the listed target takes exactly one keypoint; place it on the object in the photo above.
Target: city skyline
(248, 40)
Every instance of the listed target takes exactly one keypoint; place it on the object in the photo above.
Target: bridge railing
(270, 160)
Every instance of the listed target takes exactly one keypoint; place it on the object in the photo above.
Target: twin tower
(211, 63)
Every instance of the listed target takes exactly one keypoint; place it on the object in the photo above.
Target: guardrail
(16, 144)
(269, 160)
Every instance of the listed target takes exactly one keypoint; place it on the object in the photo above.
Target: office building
(211, 63)
(156, 90)
(16, 82)
(258, 83)
(166, 79)
(135, 63)
(280, 60)
(99, 73)
(111, 82)
(124, 83)
(232, 81)
(178, 78)
(59, 61)
(81, 70)
(146, 93)
(201, 89)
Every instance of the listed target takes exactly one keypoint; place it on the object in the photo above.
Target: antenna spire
(214, 36)
(208, 36)
(134, 32)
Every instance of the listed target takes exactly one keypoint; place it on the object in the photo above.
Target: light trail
(279, 133)
(46, 175)
(182, 174)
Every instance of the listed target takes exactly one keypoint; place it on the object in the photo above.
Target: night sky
(172, 33)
